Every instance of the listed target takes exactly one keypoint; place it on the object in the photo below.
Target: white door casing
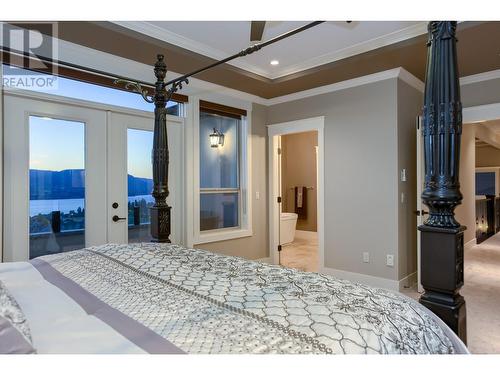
(274, 132)
(422, 210)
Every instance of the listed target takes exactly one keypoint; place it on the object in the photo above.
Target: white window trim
(192, 225)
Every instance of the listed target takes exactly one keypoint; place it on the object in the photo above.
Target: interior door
(422, 211)
(53, 187)
(130, 141)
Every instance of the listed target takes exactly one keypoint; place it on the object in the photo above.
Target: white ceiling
(331, 41)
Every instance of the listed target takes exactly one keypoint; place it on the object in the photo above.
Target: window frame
(237, 190)
(244, 229)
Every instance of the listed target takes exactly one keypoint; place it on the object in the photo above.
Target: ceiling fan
(257, 30)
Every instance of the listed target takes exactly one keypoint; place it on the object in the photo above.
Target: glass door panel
(55, 178)
(130, 142)
(139, 184)
(57, 185)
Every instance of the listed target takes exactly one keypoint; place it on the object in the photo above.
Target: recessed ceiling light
(274, 62)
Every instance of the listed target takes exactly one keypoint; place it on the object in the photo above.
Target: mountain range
(70, 184)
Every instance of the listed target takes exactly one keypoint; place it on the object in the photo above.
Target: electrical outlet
(257, 195)
(403, 175)
(366, 257)
(390, 260)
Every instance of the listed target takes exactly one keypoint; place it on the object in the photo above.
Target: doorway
(296, 194)
(480, 186)
(78, 174)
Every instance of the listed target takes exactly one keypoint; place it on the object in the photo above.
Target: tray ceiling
(328, 42)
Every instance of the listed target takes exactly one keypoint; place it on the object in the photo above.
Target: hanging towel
(301, 201)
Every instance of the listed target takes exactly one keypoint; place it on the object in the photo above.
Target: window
(140, 184)
(76, 89)
(57, 185)
(222, 172)
(485, 183)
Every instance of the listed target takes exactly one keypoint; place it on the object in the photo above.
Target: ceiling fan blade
(257, 30)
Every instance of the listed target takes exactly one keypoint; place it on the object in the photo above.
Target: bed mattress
(162, 298)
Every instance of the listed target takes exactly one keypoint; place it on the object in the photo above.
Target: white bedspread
(58, 324)
(160, 298)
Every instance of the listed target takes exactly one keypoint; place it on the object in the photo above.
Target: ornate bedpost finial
(160, 68)
(442, 237)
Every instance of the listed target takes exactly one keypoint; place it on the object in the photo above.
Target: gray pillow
(15, 335)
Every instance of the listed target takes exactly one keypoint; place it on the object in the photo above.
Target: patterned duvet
(169, 299)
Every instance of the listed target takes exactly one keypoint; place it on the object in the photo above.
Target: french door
(130, 141)
(78, 174)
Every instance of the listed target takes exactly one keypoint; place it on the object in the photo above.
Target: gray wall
(410, 102)
(361, 177)
(256, 246)
(480, 93)
(487, 156)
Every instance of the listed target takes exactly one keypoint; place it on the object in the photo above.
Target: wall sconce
(216, 138)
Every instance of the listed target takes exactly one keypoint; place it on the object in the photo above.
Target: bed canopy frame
(161, 211)
(442, 246)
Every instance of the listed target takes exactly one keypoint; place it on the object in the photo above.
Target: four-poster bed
(164, 298)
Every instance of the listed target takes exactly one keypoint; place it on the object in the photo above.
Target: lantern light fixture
(216, 139)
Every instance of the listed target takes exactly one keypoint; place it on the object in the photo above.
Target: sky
(56, 145)
(60, 144)
(87, 91)
(140, 144)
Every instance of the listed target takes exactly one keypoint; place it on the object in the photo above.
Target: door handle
(418, 213)
(116, 218)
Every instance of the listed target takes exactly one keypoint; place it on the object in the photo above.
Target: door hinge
(279, 150)
(279, 199)
(279, 247)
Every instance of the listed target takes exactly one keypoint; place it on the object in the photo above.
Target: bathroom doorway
(296, 194)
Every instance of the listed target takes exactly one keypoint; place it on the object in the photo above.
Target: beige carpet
(481, 291)
(302, 253)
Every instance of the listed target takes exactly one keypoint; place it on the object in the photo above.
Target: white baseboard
(469, 245)
(375, 281)
(408, 282)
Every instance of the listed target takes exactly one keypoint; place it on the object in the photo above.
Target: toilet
(288, 223)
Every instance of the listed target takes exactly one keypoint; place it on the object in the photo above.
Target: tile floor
(302, 253)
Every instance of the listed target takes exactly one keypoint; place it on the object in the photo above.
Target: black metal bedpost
(442, 249)
(160, 212)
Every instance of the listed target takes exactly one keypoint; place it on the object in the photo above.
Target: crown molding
(86, 56)
(480, 77)
(170, 37)
(167, 36)
(356, 49)
(359, 81)
(410, 79)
